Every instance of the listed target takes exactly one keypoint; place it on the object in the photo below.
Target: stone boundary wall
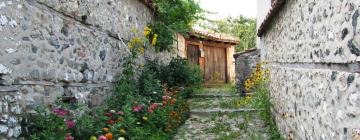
(52, 48)
(313, 50)
(245, 63)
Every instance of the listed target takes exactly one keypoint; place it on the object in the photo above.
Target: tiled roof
(214, 36)
(275, 8)
(245, 52)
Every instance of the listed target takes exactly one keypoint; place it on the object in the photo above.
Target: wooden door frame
(203, 44)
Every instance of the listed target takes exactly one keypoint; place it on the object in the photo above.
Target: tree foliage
(241, 27)
(173, 16)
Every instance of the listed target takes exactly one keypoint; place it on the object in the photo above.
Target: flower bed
(150, 107)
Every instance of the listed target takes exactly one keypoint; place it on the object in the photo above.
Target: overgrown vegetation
(173, 16)
(257, 83)
(149, 107)
(240, 27)
(261, 101)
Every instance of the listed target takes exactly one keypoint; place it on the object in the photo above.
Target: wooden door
(193, 54)
(215, 65)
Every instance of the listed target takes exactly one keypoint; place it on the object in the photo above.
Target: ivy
(173, 16)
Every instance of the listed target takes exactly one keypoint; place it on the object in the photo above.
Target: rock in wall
(52, 48)
(313, 50)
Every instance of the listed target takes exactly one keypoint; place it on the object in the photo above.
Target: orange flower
(105, 129)
(109, 135)
(173, 113)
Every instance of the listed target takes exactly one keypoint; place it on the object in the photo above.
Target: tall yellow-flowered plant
(260, 74)
(137, 44)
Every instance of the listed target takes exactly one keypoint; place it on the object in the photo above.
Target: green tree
(240, 27)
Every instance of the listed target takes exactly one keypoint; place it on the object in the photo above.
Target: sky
(234, 8)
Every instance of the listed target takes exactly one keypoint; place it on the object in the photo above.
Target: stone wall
(52, 48)
(314, 52)
(245, 63)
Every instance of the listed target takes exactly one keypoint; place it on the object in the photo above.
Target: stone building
(313, 50)
(213, 53)
(245, 64)
(51, 48)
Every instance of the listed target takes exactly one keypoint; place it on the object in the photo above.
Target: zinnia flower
(110, 122)
(109, 135)
(70, 123)
(121, 138)
(105, 129)
(120, 113)
(108, 114)
(102, 138)
(60, 112)
(69, 137)
(122, 131)
(93, 138)
(138, 108)
(145, 118)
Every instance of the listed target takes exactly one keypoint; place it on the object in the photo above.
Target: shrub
(180, 73)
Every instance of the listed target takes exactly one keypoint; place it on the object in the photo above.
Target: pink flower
(152, 107)
(69, 137)
(120, 113)
(138, 108)
(70, 124)
(60, 112)
(102, 138)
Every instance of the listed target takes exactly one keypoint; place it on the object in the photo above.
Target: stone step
(220, 102)
(214, 95)
(219, 95)
(232, 126)
(218, 110)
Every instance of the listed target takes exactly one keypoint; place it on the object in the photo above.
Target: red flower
(69, 137)
(108, 114)
(164, 103)
(110, 122)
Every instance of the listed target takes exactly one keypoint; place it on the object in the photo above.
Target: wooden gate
(193, 54)
(215, 64)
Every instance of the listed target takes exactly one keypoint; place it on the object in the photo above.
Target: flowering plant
(260, 74)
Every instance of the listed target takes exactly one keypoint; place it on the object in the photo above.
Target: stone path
(216, 116)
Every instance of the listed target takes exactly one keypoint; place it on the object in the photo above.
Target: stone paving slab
(216, 116)
(222, 126)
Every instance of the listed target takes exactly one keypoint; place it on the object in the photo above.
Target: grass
(218, 129)
(226, 88)
(261, 101)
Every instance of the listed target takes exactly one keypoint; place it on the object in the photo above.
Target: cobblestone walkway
(215, 116)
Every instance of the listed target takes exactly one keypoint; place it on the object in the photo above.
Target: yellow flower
(248, 98)
(142, 50)
(154, 40)
(121, 138)
(130, 46)
(238, 103)
(145, 118)
(122, 131)
(147, 31)
(93, 138)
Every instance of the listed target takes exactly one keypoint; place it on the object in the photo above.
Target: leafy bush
(180, 73)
